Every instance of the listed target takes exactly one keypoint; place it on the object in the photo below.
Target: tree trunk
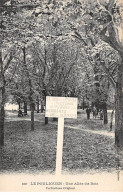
(2, 117)
(42, 108)
(32, 105)
(38, 108)
(2, 98)
(46, 120)
(119, 107)
(19, 105)
(105, 116)
(55, 119)
(111, 120)
(25, 107)
(83, 104)
(32, 116)
(37, 104)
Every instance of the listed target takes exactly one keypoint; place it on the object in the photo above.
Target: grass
(85, 151)
(35, 151)
(26, 150)
(92, 124)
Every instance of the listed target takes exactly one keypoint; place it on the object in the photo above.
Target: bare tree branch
(8, 62)
(109, 75)
(111, 39)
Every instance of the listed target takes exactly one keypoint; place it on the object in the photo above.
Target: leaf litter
(35, 151)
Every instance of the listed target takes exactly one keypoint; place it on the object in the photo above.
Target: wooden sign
(60, 107)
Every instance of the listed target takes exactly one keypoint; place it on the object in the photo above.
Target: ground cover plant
(35, 151)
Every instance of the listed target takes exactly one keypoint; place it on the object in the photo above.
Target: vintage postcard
(61, 96)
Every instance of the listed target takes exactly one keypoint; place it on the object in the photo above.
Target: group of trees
(61, 48)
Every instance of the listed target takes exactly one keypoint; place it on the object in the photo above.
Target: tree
(4, 64)
(114, 41)
(101, 20)
(53, 22)
(8, 30)
(54, 63)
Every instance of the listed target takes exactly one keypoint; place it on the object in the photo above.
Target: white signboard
(61, 107)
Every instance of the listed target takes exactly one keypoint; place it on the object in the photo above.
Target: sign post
(60, 107)
(59, 145)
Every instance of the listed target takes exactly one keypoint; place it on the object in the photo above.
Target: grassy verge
(26, 150)
(35, 151)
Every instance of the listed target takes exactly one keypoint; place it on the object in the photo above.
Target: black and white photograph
(61, 95)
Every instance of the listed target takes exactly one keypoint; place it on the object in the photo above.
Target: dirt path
(103, 132)
(110, 134)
